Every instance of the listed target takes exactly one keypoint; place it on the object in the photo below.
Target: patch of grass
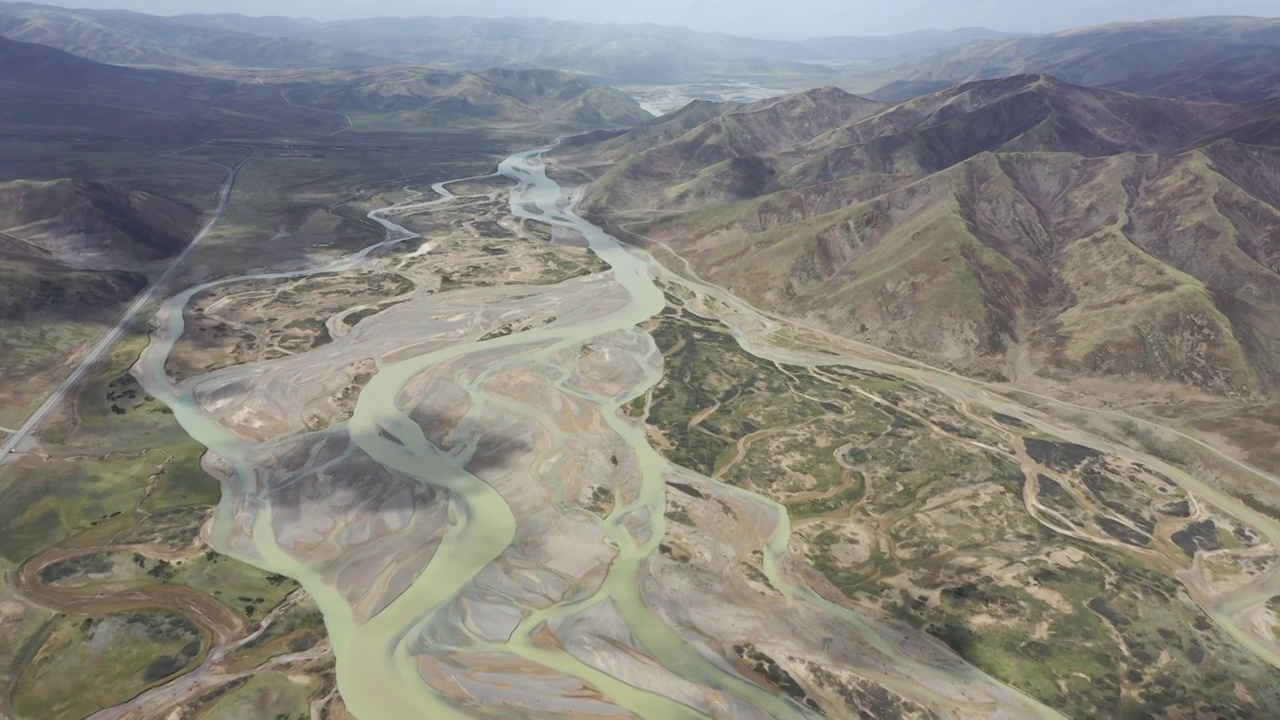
(249, 590)
(935, 530)
(269, 696)
(843, 499)
(38, 508)
(299, 628)
(89, 663)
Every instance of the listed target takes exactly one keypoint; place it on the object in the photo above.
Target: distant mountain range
(613, 53)
(126, 38)
(1215, 58)
(1231, 59)
(47, 91)
(914, 44)
(1009, 228)
(407, 95)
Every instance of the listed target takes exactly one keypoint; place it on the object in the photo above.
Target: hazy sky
(766, 18)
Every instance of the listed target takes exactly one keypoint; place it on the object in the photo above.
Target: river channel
(421, 648)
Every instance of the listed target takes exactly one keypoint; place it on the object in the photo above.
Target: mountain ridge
(1013, 228)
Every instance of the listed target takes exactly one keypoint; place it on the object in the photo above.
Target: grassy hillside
(72, 255)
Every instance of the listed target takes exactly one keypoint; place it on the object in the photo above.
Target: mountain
(847, 135)
(1013, 228)
(616, 53)
(128, 38)
(709, 150)
(1224, 58)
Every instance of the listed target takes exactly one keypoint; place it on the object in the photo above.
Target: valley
(346, 378)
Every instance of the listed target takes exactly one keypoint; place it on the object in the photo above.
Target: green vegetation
(66, 497)
(147, 496)
(299, 628)
(87, 663)
(250, 591)
(270, 696)
(894, 500)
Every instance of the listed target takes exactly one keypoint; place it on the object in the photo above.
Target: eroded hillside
(1012, 229)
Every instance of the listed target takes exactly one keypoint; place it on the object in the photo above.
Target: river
(410, 658)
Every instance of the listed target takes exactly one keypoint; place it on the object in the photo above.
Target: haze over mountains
(1222, 58)
(1007, 227)
(1225, 58)
(48, 91)
(616, 53)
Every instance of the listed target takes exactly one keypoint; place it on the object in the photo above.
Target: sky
(759, 18)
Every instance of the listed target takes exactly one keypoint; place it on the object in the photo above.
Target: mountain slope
(1011, 228)
(72, 254)
(93, 224)
(842, 135)
(34, 287)
(716, 151)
